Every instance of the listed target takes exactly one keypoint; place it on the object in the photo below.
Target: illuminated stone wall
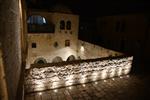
(91, 51)
(45, 48)
(51, 77)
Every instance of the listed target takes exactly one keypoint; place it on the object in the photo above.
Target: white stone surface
(52, 77)
(91, 51)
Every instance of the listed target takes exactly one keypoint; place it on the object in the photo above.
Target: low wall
(56, 76)
(88, 50)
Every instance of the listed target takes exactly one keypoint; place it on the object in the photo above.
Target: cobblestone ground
(133, 87)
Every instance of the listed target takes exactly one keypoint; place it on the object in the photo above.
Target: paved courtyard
(133, 87)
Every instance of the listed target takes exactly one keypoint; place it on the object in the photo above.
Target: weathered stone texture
(10, 37)
(52, 77)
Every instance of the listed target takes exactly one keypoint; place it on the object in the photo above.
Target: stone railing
(65, 74)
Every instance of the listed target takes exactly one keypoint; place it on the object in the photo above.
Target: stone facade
(49, 46)
(46, 49)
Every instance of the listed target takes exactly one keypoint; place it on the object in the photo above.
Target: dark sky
(95, 7)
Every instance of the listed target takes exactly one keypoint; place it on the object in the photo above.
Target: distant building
(128, 33)
(53, 37)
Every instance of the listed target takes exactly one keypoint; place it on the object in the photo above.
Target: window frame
(62, 25)
(68, 25)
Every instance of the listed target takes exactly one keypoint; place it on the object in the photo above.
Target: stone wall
(91, 51)
(11, 44)
(45, 48)
(56, 76)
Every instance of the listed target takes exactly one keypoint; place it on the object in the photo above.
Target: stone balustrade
(57, 75)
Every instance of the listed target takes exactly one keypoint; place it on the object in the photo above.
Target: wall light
(40, 93)
(96, 82)
(82, 48)
(70, 87)
(83, 85)
(121, 77)
(105, 81)
(113, 79)
(55, 90)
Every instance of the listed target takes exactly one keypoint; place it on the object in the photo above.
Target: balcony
(44, 28)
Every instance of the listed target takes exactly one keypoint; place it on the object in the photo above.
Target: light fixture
(70, 87)
(121, 77)
(40, 93)
(105, 81)
(55, 90)
(82, 48)
(83, 85)
(96, 82)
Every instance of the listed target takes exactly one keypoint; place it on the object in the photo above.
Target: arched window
(57, 59)
(68, 25)
(39, 20)
(62, 24)
(40, 61)
(71, 58)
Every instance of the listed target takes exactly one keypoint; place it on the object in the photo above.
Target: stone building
(53, 37)
(128, 33)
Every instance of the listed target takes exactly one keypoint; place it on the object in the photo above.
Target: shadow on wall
(71, 58)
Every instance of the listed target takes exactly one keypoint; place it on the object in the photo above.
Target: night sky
(94, 8)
